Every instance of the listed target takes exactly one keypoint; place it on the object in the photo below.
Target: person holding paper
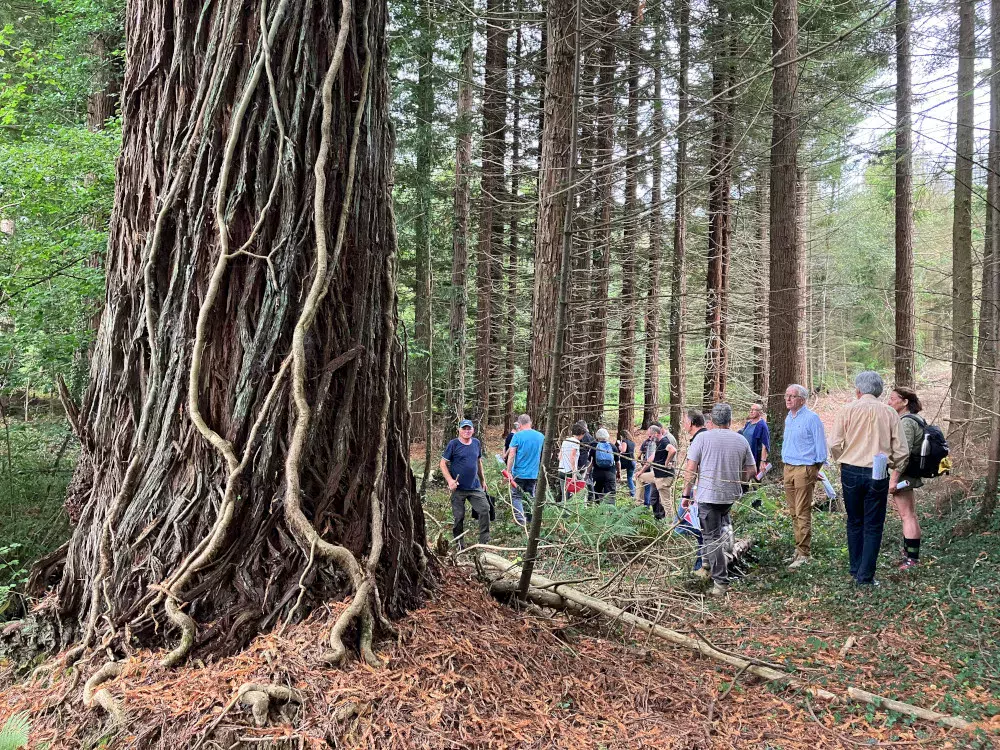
(868, 440)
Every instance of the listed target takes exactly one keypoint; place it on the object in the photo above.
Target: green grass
(33, 521)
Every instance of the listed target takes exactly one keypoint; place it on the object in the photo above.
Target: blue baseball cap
(465, 423)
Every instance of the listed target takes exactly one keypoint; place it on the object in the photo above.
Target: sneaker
(798, 562)
(719, 590)
(871, 584)
(908, 563)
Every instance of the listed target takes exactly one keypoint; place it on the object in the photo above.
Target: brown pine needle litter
(466, 673)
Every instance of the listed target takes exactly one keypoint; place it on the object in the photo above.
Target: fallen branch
(510, 570)
(617, 614)
(863, 696)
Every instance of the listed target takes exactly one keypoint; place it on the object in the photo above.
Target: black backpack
(930, 458)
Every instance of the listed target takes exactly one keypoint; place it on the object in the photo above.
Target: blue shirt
(804, 442)
(757, 435)
(529, 452)
(463, 462)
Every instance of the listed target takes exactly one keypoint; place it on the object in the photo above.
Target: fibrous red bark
(246, 411)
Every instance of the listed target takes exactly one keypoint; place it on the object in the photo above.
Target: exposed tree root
(93, 693)
(258, 698)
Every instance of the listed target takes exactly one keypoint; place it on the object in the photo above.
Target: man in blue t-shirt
(522, 462)
(462, 468)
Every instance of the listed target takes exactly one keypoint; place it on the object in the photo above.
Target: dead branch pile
(467, 672)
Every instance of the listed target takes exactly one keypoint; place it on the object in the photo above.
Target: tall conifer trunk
(630, 242)
(906, 326)
(785, 307)
(489, 262)
(460, 245)
(677, 279)
(961, 274)
(651, 393)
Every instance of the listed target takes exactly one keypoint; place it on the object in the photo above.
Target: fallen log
(544, 589)
(863, 696)
(508, 569)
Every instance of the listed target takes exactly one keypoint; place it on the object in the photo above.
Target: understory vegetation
(924, 636)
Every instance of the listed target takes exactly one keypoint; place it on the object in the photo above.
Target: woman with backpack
(606, 466)
(907, 405)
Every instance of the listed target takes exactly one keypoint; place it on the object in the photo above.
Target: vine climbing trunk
(246, 413)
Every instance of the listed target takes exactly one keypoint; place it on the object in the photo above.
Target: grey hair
(656, 427)
(869, 382)
(603, 434)
(523, 420)
(722, 415)
(800, 390)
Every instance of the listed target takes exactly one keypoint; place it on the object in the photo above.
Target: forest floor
(468, 672)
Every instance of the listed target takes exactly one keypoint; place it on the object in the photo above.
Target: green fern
(14, 734)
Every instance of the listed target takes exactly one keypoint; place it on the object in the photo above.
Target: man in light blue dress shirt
(803, 451)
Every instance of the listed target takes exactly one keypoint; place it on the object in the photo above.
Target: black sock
(912, 548)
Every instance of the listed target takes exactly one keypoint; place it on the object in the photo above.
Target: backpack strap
(916, 418)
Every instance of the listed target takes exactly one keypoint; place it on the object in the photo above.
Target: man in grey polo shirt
(720, 461)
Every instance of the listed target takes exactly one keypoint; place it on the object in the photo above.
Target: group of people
(874, 442)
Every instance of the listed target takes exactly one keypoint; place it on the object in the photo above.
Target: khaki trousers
(664, 486)
(800, 481)
(641, 480)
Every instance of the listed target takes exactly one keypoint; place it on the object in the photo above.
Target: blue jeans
(525, 487)
(865, 500)
(630, 477)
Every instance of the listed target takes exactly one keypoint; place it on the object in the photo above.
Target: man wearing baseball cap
(462, 468)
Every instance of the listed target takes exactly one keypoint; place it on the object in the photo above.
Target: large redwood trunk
(290, 438)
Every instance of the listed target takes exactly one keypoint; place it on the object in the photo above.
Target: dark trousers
(865, 500)
(604, 485)
(476, 498)
(524, 491)
(713, 518)
(653, 495)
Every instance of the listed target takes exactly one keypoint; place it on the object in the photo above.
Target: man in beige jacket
(868, 441)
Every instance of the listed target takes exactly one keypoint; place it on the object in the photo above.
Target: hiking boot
(701, 573)
(798, 562)
(907, 564)
(719, 590)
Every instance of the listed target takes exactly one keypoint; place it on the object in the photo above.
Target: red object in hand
(574, 485)
(506, 475)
